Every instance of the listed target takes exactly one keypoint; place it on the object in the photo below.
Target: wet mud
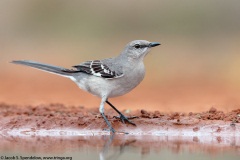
(57, 128)
(16, 119)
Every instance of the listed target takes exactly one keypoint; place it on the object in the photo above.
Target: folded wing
(96, 68)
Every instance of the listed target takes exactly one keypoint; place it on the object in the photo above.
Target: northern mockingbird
(106, 78)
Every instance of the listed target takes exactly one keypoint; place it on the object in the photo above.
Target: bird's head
(138, 49)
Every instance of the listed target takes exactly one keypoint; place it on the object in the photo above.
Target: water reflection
(104, 153)
(111, 147)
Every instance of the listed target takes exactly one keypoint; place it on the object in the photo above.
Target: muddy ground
(58, 116)
(57, 128)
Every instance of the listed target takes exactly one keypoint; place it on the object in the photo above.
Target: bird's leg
(122, 117)
(108, 123)
(101, 109)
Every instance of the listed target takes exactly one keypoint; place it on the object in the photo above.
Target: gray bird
(106, 78)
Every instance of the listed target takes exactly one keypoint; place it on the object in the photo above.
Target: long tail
(44, 67)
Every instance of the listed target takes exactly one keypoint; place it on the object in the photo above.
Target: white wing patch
(96, 68)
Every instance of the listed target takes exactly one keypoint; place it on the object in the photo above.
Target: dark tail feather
(44, 67)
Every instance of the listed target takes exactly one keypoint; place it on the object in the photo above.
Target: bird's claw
(113, 131)
(110, 129)
(126, 119)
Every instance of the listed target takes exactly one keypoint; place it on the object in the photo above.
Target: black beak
(154, 44)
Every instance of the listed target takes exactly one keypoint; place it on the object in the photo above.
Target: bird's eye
(137, 46)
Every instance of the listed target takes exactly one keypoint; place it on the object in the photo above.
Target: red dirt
(54, 116)
(57, 128)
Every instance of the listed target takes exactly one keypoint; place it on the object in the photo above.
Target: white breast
(132, 77)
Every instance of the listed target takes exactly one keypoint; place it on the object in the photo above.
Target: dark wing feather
(96, 68)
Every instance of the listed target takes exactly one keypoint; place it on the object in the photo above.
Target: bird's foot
(110, 129)
(113, 131)
(126, 119)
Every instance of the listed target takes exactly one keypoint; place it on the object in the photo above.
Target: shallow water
(120, 147)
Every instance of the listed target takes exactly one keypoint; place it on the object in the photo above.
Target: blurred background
(196, 67)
